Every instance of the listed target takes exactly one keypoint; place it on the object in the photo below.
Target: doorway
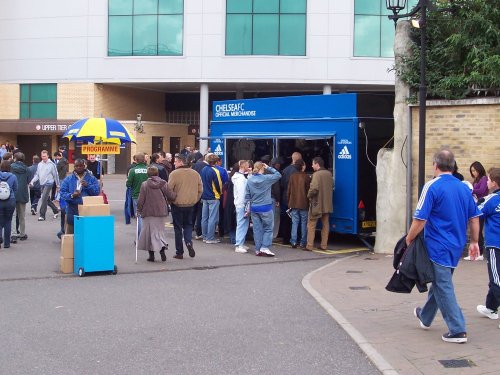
(175, 145)
(32, 145)
(156, 144)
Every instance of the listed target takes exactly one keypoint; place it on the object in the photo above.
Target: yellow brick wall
(9, 101)
(75, 100)
(470, 128)
(124, 103)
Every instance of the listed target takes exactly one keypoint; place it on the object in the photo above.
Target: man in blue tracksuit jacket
(77, 185)
(490, 208)
(212, 191)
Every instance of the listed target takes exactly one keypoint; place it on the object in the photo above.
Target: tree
(463, 51)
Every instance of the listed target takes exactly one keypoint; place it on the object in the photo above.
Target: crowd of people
(208, 202)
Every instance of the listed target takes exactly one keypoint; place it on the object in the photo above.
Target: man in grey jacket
(46, 174)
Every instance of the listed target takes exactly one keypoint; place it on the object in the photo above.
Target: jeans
(263, 229)
(6, 211)
(183, 226)
(35, 197)
(299, 217)
(209, 218)
(442, 296)
(241, 226)
(20, 214)
(139, 219)
(46, 190)
(276, 226)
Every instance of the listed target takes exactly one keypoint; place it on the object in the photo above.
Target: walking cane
(136, 235)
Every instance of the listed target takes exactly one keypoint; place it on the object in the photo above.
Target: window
(145, 27)
(266, 27)
(373, 31)
(38, 101)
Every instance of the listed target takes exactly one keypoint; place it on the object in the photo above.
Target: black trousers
(493, 296)
(183, 226)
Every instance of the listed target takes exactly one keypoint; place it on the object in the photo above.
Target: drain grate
(370, 259)
(352, 271)
(359, 287)
(456, 363)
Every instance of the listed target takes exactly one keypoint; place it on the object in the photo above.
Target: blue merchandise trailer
(346, 130)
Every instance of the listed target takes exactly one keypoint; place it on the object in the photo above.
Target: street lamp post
(396, 6)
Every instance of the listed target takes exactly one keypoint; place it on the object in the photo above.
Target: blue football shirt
(491, 212)
(447, 206)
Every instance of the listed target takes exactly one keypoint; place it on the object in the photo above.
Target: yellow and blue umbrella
(99, 130)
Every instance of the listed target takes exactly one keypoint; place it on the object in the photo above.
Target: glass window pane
(146, 7)
(120, 36)
(293, 34)
(171, 7)
(43, 110)
(265, 34)
(368, 6)
(43, 92)
(120, 7)
(293, 6)
(367, 36)
(170, 35)
(25, 111)
(25, 93)
(387, 38)
(145, 35)
(238, 34)
(266, 6)
(239, 6)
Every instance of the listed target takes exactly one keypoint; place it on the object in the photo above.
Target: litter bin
(94, 244)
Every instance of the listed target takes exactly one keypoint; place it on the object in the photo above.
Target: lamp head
(395, 5)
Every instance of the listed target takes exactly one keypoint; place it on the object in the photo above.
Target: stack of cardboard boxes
(92, 206)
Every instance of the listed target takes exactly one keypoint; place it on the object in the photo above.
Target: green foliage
(463, 50)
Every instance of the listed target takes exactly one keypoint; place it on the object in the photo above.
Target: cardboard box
(93, 200)
(94, 210)
(67, 245)
(66, 265)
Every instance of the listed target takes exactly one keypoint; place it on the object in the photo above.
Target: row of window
(253, 27)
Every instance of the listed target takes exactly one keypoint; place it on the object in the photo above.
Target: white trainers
(481, 309)
(240, 249)
(212, 241)
(245, 247)
(266, 251)
(467, 257)
(480, 257)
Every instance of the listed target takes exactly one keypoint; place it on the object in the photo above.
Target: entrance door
(157, 144)
(33, 145)
(175, 145)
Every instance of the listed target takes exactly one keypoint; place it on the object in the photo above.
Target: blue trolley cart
(94, 244)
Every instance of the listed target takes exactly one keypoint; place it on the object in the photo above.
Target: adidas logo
(344, 154)
(218, 150)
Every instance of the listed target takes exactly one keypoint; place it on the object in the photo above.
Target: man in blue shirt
(490, 208)
(443, 211)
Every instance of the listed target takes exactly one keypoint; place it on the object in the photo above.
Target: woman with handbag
(152, 206)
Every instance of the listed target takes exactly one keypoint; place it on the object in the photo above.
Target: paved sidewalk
(353, 292)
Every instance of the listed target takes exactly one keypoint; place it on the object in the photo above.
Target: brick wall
(469, 127)
(9, 101)
(124, 103)
(75, 100)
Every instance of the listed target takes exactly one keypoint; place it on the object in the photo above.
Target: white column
(327, 90)
(203, 117)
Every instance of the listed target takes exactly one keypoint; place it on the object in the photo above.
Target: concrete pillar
(327, 90)
(203, 117)
(111, 164)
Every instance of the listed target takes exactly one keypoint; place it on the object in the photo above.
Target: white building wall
(62, 40)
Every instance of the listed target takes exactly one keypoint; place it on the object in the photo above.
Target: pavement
(352, 290)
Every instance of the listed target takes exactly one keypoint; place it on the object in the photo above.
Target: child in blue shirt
(490, 209)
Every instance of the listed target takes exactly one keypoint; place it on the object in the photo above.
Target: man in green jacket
(136, 176)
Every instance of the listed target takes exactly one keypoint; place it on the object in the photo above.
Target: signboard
(100, 149)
